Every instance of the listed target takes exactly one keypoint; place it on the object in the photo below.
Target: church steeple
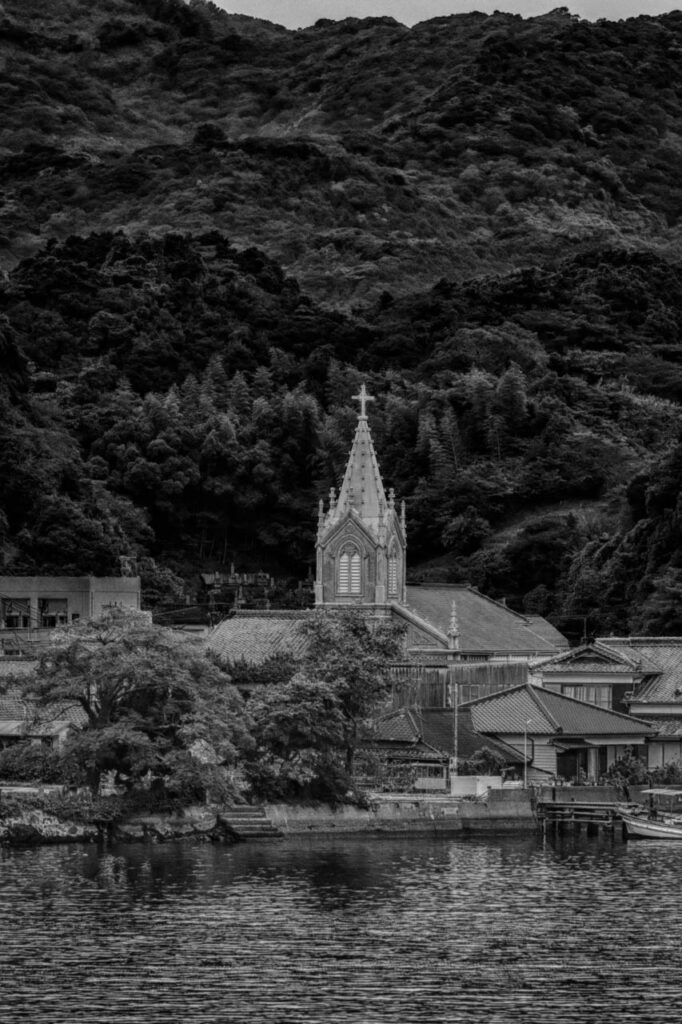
(361, 538)
(362, 489)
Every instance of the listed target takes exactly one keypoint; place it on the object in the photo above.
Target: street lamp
(525, 753)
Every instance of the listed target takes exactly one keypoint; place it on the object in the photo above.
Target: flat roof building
(44, 602)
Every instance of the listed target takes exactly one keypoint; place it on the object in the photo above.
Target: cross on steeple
(363, 399)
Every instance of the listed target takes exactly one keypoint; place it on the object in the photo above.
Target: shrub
(28, 761)
(482, 762)
(627, 769)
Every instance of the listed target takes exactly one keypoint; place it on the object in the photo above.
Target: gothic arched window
(349, 579)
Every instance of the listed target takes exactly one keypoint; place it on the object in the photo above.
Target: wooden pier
(561, 815)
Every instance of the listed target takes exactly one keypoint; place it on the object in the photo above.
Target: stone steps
(246, 822)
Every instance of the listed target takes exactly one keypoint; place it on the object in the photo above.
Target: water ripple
(414, 931)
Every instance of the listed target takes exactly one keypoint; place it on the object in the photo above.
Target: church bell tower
(361, 537)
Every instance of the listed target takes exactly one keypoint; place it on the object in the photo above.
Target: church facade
(361, 543)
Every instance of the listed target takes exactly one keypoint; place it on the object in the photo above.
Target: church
(468, 677)
(361, 562)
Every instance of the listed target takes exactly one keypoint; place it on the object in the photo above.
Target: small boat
(639, 826)
(657, 823)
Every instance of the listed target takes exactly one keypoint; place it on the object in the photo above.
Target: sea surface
(496, 929)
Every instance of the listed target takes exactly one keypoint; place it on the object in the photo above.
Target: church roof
(546, 630)
(484, 625)
(255, 636)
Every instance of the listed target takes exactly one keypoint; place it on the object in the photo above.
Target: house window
(16, 612)
(52, 611)
(350, 573)
(599, 695)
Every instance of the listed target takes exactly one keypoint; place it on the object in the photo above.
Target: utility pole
(453, 658)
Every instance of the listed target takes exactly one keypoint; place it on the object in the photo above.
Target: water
(364, 930)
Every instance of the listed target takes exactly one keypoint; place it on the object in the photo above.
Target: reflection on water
(367, 930)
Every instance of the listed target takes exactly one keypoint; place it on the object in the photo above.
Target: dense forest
(213, 229)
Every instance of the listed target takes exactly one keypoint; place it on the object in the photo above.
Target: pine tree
(215, 380)
(479, 393)
(511, 402)
(240, 399)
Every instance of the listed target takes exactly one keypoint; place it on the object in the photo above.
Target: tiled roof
(409, 752)
(599, 665)
(254, 637)
(546, 630)
(435, 728)
(16, 667)
(438, 730)
(667, 728)
(484, 625)
(12, 707)
(397, 727)
(398, 735)
(592, 657)
(540, 712)
(18, 716)
(659, 656)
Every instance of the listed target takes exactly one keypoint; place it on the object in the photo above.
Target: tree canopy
(151, 705)
(215, 228)
(308, 727)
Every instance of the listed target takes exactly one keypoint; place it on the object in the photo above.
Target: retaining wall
(501, 811)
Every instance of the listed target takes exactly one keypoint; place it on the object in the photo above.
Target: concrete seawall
(500, 811)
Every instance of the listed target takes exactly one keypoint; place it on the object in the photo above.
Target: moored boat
(657, 824)
(642, 827)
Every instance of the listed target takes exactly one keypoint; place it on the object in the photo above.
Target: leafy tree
(307, 731)
(298, 730)
(275, 671)
(628, 769)
(464, 532)
(660, 614)
(483, 761)
(153, 705)
(352, 654)
(27, 761)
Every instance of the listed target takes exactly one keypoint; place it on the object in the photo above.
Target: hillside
(213, 228)
(360, 155)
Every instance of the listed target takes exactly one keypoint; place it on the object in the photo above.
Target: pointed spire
(362, 488)
(453, 628)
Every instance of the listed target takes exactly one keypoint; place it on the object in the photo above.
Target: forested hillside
(213, 229)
